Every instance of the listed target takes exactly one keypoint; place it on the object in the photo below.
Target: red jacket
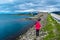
(37, 25)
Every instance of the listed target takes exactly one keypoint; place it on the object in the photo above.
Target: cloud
(26, 5)
(6, 1)
(29, 10)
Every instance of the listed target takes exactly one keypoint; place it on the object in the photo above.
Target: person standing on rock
(37, 26)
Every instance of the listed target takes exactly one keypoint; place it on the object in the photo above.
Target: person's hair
(39, 19)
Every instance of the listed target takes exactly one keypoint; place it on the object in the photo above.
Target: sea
(12, 26)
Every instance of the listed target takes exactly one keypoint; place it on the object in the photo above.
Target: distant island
(21, 13)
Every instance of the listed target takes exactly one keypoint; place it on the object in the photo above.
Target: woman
(37, 26)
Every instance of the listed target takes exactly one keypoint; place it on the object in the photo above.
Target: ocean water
(12, 26)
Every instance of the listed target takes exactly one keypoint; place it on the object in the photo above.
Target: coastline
(30, 33)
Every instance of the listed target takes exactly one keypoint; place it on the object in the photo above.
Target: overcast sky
(29, 5)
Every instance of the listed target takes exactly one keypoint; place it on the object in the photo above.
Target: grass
(53, 29)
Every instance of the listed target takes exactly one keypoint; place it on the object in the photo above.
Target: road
(56, 17)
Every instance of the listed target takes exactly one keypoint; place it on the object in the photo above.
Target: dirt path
(30, 34)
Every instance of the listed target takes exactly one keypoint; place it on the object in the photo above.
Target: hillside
(50, 30)
(53, 29)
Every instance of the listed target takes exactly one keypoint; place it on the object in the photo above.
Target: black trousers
(37, 32)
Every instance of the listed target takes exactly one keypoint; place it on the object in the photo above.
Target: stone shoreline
(30, 34)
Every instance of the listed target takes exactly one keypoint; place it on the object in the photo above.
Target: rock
(31, 34)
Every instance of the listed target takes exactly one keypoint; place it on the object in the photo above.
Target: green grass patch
(50, 27)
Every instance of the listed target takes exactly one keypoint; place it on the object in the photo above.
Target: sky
(29, 5)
